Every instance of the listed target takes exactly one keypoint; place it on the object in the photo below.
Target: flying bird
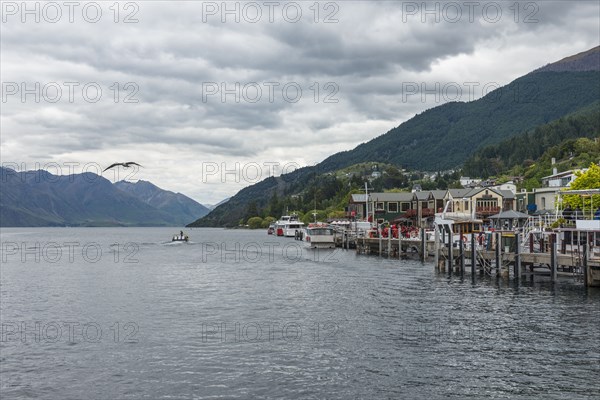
(125, 164)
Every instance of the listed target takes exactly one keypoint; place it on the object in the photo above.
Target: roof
(458, 193)
(507, 194)
(383, 196)
(564, 173)
(582, 192)
(510, 214)
(422, 195)
(358, 198)
(392, 196)
(438, 194)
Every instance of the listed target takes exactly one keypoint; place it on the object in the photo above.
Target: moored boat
(289, 226)
(319, 235)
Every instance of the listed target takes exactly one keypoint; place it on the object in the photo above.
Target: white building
(466, 181)
(562, 179)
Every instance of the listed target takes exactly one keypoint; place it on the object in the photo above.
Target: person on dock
(578, 213)
(597, 213)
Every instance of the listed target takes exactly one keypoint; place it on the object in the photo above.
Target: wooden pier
(503, 256)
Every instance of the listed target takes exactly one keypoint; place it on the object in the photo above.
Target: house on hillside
(561, 179)
(465, 181)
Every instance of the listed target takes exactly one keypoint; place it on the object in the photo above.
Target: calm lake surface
(120, 313)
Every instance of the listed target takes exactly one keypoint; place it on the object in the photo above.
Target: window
(379, 206)
(405, 206)
(393, 207)
(543, 203)
(466, 206)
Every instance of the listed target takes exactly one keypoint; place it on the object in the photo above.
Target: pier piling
(585, 261)
(462, 255)
(553, 257)
(423, 246)
(517, 271)
(449, 250)
(498, 258)
(473, 258)
(436, 247)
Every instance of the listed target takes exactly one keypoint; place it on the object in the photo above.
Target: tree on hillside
(585, 180)
(251, 210)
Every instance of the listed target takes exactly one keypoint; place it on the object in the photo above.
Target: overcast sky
(191, 89)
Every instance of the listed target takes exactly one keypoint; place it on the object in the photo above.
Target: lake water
(119, 313)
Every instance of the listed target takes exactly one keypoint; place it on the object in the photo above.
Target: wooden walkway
(473, 258)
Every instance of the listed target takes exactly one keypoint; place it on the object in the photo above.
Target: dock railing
(534, 225)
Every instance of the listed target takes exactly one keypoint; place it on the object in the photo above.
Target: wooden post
(517, 271)
(380, 242)
(450, 258)
(553, 257)
(436, 247)
(585, 261)
(473, 256)
(498, 246)
(399, 244)
(462, 254)
(423, 246)
(389, 249)
(530, 243)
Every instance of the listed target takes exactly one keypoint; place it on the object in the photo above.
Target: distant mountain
(181, 208)
(584, 61)
(444, 137)
(213, 206)
(38, 198)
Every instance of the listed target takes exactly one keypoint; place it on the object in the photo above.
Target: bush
(255, 222)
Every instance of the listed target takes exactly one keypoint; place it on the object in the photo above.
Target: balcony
(427, 212)
(410, 213)
(487, 211)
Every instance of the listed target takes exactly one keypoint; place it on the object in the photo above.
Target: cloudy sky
(203, 94)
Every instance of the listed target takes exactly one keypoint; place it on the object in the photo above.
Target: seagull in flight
(125, 164)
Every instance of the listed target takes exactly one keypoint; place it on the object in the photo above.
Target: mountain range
(38, 198)
(445, 136)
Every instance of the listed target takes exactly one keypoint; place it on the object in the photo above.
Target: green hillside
(521, 150)
(443, 137)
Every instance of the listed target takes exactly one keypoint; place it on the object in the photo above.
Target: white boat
(180, 238)
(289, 226)
(320, 236)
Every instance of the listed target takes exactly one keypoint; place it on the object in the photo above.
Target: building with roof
(419, 208)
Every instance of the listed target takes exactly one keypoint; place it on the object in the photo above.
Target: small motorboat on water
(180, 238)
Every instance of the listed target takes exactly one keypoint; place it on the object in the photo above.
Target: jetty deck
(506, 257)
